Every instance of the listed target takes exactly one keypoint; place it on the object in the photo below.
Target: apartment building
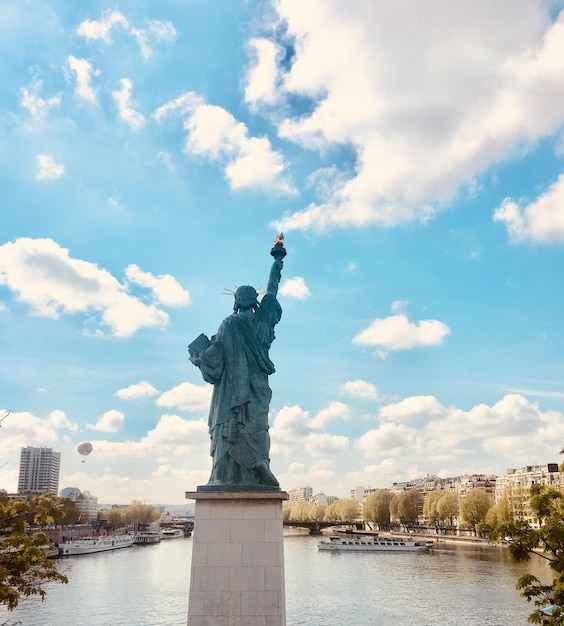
(39, 470)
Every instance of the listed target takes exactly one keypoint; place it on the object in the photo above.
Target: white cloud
(166, 289)
(541, 221)
(292, 423)
(424, 109)
(154, 30)
(84, 72)
(102, 28)
(360, 389)
(333, 411)
(390, 440)
(110, 422)
(166, 159)
(58, 419)
(295, 288)
(25, 429)
(132, 118)
(213, 133)
(261, 80)
(322, 444)
(399, 305)
(396, 332)
(413, 409)
(44, 276)
(187, 397)
(34, 103)
(140, 390)
(48, 168)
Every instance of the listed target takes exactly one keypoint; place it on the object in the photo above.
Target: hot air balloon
(84, 449)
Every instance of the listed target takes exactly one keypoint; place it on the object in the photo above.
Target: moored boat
(149, 535)
(89, 545)
(172, 533)
(375, 544)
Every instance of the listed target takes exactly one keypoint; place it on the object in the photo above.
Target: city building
(299, 495)
(39, 470)
(323, 499)
(526, 477)
(86, 503)
(461, 485)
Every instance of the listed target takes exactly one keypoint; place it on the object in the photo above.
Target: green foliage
(394, 507)
(474, 508)
(331, 514)
(24, 566)
(377, 507)
(543, 540)
(448, 507)
(408, 506)
(348, 510)
(133, 514)
(303, 512)
(430, 508)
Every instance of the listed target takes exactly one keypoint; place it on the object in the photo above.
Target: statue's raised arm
(278, 252)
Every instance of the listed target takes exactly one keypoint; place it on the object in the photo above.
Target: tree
(134, 514)
(474, 507)
(430, 508)
(114, 517)
(543, 540)
(448, 508)
(348, 510)
(331, 514)
(318, 512)
(394, 507)
(377, 507)
(409, 503)
(499, 513)
(303, 512)
(140, 513)
(24, 566)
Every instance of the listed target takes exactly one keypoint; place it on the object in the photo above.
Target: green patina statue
(237, 364)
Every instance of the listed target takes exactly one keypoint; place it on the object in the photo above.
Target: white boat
(88, 545)
(149, 535)
(374, 544)
(172, 533)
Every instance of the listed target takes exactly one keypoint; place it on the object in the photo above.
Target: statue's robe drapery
(238, 365)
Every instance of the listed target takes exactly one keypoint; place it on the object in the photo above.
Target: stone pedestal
(237, 575)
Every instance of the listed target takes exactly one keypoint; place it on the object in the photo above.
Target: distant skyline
(413, 156)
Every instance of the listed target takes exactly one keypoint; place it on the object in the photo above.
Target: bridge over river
(315, 528)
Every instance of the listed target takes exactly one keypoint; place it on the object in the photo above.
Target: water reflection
(148, 586)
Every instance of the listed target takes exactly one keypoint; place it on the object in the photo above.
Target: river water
(454, 584)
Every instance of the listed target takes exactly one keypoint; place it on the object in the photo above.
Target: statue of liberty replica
(236, 362)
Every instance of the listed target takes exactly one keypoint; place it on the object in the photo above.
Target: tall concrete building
(39, 470)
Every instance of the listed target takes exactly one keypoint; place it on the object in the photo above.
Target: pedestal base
(237, 574)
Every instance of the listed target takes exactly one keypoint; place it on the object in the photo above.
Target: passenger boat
(88, 545)
(374, 544)
(172, 533)
(149, 535)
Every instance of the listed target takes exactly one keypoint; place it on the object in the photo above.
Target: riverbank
(439, 538)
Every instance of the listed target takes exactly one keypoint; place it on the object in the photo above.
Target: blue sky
(412, 154)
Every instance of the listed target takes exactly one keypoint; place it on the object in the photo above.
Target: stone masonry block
(260, 603)
(265, 554)
(246, 531)
(224, 603)
(247, 578)
(228, 554)
(210, 578)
